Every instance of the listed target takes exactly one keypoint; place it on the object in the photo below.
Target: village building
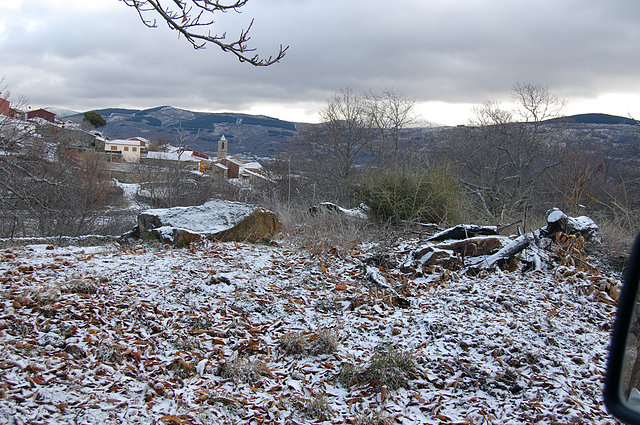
(252, 167)
(235, 168)
(144, 143)
(233, 165)
(16, 114)
(43, 114)
(5, 108)
(221, 169)
(128, 149)
(8, 111)
(223, 145)
(171, 153)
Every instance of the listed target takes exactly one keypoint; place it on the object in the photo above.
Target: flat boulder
(215, 220)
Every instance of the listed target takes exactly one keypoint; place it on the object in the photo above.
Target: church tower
(223, 144)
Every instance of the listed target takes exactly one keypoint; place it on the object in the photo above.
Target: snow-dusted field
(207, 335)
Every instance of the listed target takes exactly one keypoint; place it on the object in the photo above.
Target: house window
(134, 149)
(114, 148)
(126, 148)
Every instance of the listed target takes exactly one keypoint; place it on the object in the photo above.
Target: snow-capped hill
(62, 112)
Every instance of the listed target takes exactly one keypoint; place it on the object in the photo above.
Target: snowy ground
(130, 192)
(203, 335)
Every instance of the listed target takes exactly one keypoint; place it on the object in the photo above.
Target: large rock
(216, 220)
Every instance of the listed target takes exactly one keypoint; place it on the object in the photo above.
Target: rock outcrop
(216, 220)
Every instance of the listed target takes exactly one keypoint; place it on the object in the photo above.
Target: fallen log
(464, 231)
(505, 254)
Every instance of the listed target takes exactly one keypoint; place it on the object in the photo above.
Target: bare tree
(347, 129)
(193, 19)
(390, 114)
(504, 153)
(176, 181)
(46, 185)
(339, 143)
(536, 103)
(579, 180)
(52, 191)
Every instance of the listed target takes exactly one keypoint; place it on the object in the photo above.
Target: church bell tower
(223, 144)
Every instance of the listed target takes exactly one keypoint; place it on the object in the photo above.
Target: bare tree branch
(192, 18)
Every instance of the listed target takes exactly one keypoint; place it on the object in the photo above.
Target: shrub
(324, 232)
(294, 343)
(297, 343)
(348, 374)
(375, 418)
(391, 367)
(82, 286)
(430, 195)
(328, 305)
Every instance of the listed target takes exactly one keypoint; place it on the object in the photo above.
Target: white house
(130, 148)
(251, 170)
(172, 153)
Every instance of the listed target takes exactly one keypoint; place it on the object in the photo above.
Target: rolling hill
(262, 136)
(251, 135)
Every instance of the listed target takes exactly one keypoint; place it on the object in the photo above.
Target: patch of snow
(131, 191)
(583, 223)
(211, 217)
(554, 216)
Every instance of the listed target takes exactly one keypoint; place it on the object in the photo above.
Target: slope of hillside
(236, 333)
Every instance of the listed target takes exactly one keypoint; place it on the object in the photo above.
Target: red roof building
(5, 109)
(42, 113)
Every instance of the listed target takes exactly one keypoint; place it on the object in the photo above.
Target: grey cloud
(466, 51)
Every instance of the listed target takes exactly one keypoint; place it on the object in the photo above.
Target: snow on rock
(217, 219)
(152, 335)
(585, 226)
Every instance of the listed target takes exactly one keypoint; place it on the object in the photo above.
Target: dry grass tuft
(299, 344)
(242, 369)
(324, 342)
(294, 343)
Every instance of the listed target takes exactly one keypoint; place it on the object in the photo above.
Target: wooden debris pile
(472, 248)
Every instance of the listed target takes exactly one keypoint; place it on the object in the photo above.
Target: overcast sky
(446, 55)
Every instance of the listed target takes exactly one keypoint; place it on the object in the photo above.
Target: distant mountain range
(262, 136)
